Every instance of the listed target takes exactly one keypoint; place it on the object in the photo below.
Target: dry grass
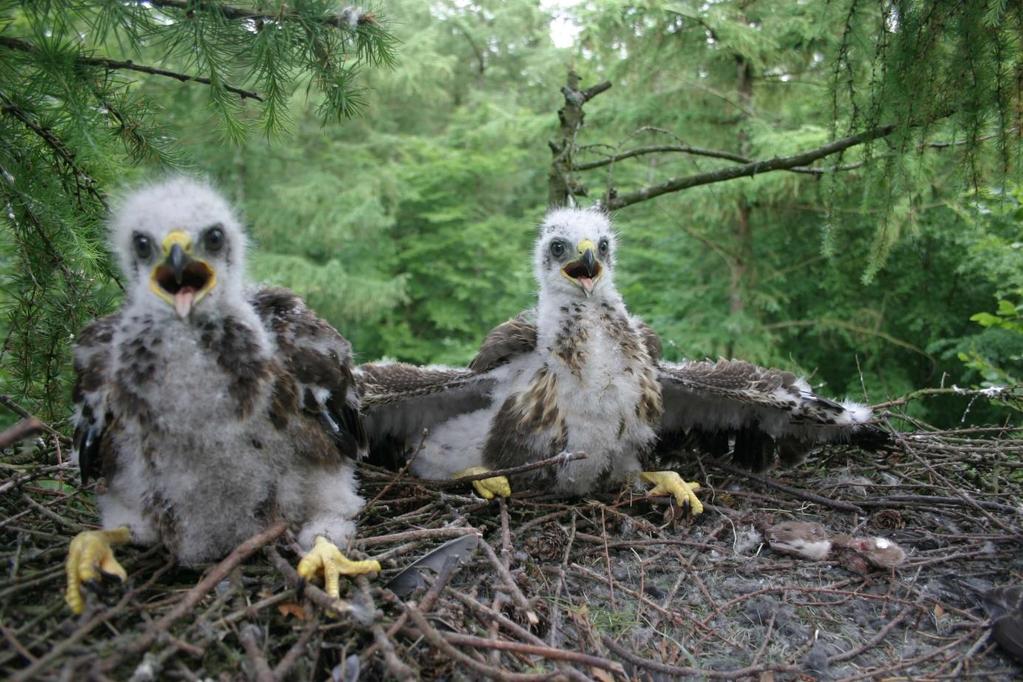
(604, 588)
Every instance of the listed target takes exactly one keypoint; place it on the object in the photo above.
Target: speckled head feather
(186, 206)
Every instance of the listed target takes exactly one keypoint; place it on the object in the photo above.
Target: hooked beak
(177, 260)
(180, 279)
(586, 270)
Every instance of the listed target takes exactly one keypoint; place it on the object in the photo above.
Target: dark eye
(143, 246)
(603, 246)
(213, 239)
(557, 248)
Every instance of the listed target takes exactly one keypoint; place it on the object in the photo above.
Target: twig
(748, 672)
(17, 409)
(791, 490)
(423, 534)
(395, 666)
(446, 573)
(607, 557)
(398, 476)
(438, 641)
(536, 650)
(249, 637)
(509, 582)
(511, 471)
(18, 646)
(297, 650)
(872, 642)
(194, 595)
(749, 169)
(26, 428)
(26, 477)
(52, 515)
(57, 651)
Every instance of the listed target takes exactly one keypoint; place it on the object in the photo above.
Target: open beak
(586, 269)
(179, 279)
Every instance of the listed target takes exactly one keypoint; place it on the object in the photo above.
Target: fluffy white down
(221, 474)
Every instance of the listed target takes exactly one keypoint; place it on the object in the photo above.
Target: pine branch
(749, 169)
(343, 19)
(63, 153)
(128, 65)
(71, 278)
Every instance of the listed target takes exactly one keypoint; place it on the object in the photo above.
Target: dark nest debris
(613, 587)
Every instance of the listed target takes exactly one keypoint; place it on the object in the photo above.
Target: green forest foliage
(895, 265)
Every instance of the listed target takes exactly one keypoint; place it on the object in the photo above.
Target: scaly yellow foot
(327, 559)
(89, 555)
(487, 487)
(666, 482)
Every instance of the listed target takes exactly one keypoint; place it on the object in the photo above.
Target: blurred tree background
(392, 165)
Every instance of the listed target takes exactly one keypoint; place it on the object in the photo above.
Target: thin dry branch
(748, 169)
(26, 428)
(561, 459)
(194, 595)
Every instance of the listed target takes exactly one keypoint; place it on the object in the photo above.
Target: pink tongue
(587, 283)
(183, 302)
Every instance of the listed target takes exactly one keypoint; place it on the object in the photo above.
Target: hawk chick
(209, 409)
(580, 373)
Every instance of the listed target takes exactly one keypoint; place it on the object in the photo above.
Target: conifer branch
(128, 65)
(343, 19)
(71, 278)
(63, 153)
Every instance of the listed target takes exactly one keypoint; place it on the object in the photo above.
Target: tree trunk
(742, 264)
(561, 184)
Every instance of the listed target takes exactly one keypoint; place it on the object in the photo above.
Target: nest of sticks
(537, 587)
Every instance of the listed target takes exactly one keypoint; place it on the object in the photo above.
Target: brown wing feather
(515, 337)
(651, 340)
(320, 361)
(400, 400)
(91, 439)
(755, 411)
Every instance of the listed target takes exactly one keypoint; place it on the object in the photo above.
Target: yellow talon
(487, 487)
(669, 482)
(89, 556)
(327, 559)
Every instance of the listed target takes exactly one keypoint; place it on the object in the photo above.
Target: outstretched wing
(92, 355)
(401, 400)
(755, 412)
(320, 360)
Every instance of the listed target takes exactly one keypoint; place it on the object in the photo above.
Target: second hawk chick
(580, 373)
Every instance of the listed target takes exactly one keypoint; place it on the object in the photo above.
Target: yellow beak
(180, 279)
(586, 269)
